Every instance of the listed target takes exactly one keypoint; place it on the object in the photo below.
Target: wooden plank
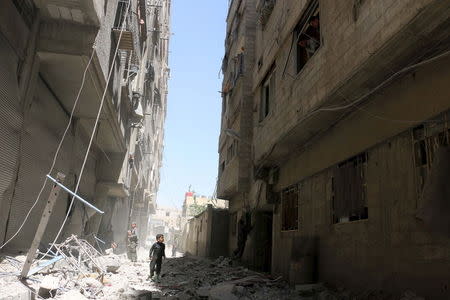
(42, 225)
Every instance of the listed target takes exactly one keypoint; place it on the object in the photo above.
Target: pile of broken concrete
(185, 278)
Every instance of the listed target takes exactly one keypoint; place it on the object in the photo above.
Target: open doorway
(263, 241)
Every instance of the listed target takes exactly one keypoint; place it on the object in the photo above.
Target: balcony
(228, 182)
(122, 29)
(86, 12)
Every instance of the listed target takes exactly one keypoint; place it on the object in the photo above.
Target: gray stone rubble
(183, 278)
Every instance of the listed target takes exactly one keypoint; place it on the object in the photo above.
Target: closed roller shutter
(44, 127)
(10, 125)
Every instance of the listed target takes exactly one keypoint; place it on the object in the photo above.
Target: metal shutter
(44, 125)
(10, 125)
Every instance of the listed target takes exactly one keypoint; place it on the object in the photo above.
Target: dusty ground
(182, 278)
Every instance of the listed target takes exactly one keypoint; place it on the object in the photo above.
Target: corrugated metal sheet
(44, 125)
(10, 125)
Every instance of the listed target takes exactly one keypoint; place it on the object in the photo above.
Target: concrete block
(15, 291)
(48, 287)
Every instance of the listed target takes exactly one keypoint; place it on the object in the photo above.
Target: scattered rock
(223, 292)
(14, 290)
(410, 295)
(110, 263)
(48, 287)
(203, 291)
(91, 282)
(240, 290)
(73, 295)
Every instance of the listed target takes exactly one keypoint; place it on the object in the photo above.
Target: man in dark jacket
(157, 252)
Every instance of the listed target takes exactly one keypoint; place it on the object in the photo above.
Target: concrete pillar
(101, 197)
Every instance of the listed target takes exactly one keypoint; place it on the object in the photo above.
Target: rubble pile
(83, 273)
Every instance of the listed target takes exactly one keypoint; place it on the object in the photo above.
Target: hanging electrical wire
(360, 99)
(94, 128)
(55, 157)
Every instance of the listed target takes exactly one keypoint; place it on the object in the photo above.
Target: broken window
(426, 139)
(289, 208)
(307, 38)
(349, 190)
(267, 94)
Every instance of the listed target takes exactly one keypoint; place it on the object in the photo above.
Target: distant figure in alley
(132, 243)
(134, 228)
(157, 252)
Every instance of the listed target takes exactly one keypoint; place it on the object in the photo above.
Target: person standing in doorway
(157, 252)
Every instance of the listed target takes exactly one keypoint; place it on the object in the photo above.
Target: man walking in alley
(132, 243)
(157, 252)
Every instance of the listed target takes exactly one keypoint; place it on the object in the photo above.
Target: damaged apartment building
(78, 76)
(334, 144)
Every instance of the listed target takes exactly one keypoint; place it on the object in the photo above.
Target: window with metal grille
(349, 201)
(121, 13)
(289, 208)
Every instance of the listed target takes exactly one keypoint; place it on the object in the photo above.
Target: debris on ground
(84, 273)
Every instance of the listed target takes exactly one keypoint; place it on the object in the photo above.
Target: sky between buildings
(194, 102)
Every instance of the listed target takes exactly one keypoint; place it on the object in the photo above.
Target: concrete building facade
(206, 234)
(349, 143)
(53, 53)
(193, 204)
(235, 169)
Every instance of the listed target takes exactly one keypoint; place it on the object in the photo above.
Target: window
(267, 94)
(426, 140)
(307, 38)
(349, 190)
(225, 103)
(221, 167)
(232, 151)
(264, 9)
(289, 208)
(121, 13)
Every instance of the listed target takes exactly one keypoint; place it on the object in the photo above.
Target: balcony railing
(122, 26)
